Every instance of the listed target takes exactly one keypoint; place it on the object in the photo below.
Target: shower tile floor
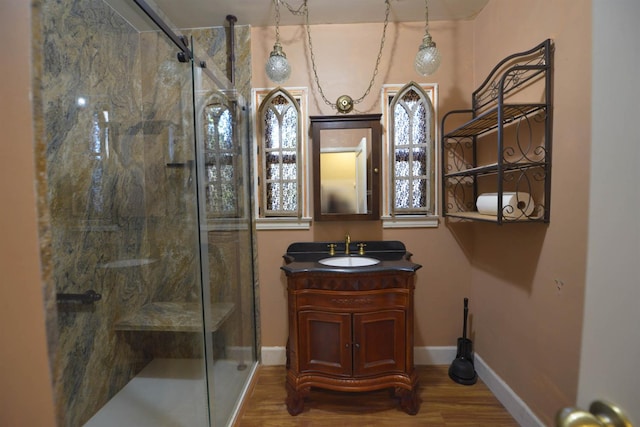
(172, 393)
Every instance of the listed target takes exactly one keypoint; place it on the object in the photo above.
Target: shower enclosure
(144, 159)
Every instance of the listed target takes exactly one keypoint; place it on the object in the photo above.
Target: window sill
(283, 223)
(410, 221)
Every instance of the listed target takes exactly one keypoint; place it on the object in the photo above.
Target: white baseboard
(273, 356)
(444, 356)
(505, 394)
(434, 355)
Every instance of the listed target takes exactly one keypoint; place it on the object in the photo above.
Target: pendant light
(428, 58)
(277, 67)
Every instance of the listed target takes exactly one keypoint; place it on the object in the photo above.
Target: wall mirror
(346, 167)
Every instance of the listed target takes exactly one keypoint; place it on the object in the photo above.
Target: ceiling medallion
(344, 104)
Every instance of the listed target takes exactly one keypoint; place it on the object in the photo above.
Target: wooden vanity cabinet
(351, 332)
(352, 345)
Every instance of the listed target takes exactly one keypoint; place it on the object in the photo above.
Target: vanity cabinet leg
(409, 401)
(295, 400)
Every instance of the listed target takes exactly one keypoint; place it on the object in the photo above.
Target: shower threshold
(172, 393)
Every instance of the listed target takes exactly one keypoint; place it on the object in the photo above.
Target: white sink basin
(349, 261)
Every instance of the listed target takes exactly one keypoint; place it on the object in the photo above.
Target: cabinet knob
(357, 345)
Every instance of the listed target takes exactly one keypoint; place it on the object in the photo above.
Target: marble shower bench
(174, 317)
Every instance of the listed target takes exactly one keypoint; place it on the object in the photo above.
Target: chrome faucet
(347, 241)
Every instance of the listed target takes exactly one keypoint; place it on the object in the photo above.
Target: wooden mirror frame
(362, 121)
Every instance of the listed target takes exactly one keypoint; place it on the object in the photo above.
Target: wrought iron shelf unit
(491, 119)
(493, 168)
(514, 135)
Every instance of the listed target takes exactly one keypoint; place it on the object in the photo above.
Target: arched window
(221, 188)
(281, 171)
(411, 150)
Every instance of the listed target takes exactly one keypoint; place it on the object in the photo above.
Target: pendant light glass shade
(428, 57)
(277, 67)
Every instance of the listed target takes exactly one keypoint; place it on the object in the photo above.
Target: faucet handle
(332, 248)
(361, 248)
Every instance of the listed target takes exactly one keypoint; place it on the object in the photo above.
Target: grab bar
(88, 297)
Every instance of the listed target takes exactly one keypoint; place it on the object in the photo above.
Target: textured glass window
(280, 128)
(412, 151)
(220, 191)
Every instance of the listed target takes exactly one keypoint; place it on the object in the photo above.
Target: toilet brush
(462, 370)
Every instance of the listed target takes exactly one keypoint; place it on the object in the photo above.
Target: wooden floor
(444, 403)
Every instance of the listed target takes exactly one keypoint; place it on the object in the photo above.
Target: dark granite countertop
(303, 257)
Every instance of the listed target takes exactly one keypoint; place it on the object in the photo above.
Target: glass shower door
(125, 316)
(225, 202)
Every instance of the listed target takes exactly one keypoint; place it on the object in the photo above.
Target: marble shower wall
(120, 221)
(212, 44)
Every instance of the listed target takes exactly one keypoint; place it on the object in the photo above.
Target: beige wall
(25, 391)
(525, 282)
(346, 56)
(526, 328)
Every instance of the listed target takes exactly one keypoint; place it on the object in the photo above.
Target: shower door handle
(88, 297)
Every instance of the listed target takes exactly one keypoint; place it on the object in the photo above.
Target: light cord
(277, 21)
(426, 16)
(304, 10)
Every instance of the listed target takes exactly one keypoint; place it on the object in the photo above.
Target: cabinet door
(324, 342)
(379, 342)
